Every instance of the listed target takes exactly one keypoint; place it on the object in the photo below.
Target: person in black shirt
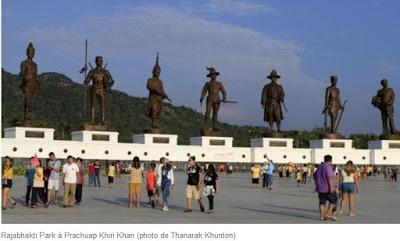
(211, 186)
(193, 184)
(97, 169)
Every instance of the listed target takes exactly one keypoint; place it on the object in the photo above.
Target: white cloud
(188, 44)
(237, 7)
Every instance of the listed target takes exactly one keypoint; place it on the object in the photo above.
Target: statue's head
(212, 73)
(30, 51)
(273, 76)
(334, 79)
(384, 83)
(99, 61)
(156, 69)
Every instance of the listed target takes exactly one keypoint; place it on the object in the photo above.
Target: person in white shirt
(158, 193)
(70, 177)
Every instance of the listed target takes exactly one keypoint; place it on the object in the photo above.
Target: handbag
(4, 181)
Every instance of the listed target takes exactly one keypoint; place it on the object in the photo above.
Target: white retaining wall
(18, 146)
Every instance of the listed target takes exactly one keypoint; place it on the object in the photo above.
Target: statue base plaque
(210, 132)
(286, 143)
(211, 141)
(384, 145)
(155, 139)
(95, 136)
(29, 133)
(331, 143)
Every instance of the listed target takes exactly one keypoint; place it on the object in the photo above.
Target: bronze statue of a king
(156, 97)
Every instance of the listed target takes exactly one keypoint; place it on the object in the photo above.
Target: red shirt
(91, 169)
(151, 180)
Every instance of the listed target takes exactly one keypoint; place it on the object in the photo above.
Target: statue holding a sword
(332, 106)
(212, 89)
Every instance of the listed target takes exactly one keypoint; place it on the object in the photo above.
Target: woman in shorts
(6, 183)
(255, 175)
(348, 186)
(135, 181)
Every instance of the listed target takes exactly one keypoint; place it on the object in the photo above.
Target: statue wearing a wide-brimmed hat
(29, 82)
(272, 99)
(384, 100)
(213, 89)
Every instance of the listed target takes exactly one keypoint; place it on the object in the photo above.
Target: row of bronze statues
(272, 100)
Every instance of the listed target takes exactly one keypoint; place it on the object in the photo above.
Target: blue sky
(306, 41)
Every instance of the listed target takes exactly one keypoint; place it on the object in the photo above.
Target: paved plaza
(377, 202)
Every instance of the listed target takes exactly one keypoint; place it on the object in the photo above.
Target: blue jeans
(269, 179)
(91, 178)
(264, 182)
(165, 185)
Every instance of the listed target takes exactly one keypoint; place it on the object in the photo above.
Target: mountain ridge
(58, 103)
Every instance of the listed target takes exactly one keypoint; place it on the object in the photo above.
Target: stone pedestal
(331, 143)
(384, 152)
(155, 139)
(29, 133)
(211, 141)
(95, 136)
(286, 143)
(384, 145)
(341, 150)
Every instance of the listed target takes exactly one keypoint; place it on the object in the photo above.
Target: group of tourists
(329, 182)
(334, 186)
(265, 172)
(329, 186)
(44, 180)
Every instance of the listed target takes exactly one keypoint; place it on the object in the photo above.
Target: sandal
(13, 205)
(3, 208)
(332, 218)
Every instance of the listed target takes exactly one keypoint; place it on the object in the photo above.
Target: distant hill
(58, 103)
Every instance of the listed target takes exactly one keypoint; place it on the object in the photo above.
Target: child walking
(111, 174)
(211, 186)
(299, 177)
(151, 184)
